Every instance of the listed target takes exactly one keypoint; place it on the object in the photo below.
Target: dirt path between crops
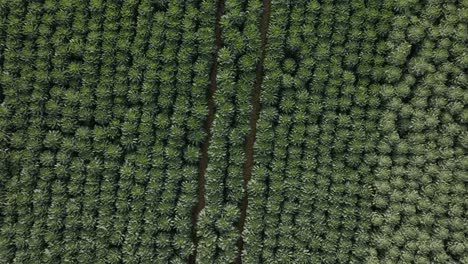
(207, 127)
(249, 144)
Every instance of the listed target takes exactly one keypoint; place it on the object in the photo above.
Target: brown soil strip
(249, 144)
(203, 164)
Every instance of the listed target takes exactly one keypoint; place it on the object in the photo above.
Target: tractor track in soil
(250, 140)
(203, 164)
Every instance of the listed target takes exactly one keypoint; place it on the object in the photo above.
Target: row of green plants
(102, 109)
(360, 146)
(218, 226)
(419, 181)
(311, 142)
(25, 160)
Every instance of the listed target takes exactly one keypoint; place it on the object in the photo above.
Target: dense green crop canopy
(233, 131)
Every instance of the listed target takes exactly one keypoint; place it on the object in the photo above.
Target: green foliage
(110, 110)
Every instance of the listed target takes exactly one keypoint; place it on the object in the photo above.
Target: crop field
(233, 131)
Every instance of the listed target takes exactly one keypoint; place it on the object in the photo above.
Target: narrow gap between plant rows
(203, 164)
(250, 141)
